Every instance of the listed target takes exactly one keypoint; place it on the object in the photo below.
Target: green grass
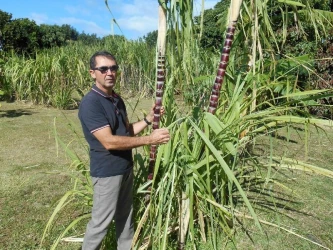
(33, 178)
(32, 172)
(311, 213)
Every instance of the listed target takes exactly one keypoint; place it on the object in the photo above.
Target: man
(111, 137)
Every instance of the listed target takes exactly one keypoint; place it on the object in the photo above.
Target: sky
(135, 17)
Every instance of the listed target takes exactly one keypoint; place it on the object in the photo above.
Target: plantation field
(34, 168)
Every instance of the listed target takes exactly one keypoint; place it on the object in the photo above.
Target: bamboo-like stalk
(233, 16)
(254, 31)
(160, 79)
(184, 220)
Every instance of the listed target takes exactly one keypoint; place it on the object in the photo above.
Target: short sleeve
(92, 115)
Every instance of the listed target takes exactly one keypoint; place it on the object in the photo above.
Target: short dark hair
(100, 53)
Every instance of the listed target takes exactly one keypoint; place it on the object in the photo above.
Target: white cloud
(91, 2)
(86, 26)
(142, 24)
(135, 18)
(142, 15)
(39, 18)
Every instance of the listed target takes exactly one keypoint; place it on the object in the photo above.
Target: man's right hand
(159, 136)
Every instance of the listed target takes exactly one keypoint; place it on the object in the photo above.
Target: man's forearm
(139, 126)
(116, 142)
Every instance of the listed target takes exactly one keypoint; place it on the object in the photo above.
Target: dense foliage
(290, 39)
(151, 39)
(25, 37)
(212, 33)
(207, 179)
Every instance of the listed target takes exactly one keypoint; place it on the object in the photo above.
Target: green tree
(21, 35)
(213, 29)
(55, 35)
(4, 19)
(87, 38)
(280, 14)
(70, 32)
(151, 38)
(50, 36)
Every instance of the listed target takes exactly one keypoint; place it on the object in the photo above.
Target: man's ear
(92, 73)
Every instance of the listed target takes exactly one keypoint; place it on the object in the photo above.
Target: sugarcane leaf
(70, 226)
(222, 208)
(217, 126)
(228, 172)
(300, 165)
(292, 3)
(300, 94)
(113, 19)
(300, 120)
(63, 202)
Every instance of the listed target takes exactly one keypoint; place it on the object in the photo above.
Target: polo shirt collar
(100, 92)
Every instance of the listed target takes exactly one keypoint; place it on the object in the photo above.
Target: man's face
(105, 79)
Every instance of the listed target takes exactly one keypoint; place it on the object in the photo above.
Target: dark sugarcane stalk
(233, 16)
(215, 94)
(158, 104)
(160, 79)
(234, 13)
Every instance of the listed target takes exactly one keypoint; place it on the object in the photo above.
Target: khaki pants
(112, 198)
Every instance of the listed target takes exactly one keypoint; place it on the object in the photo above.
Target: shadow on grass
(14, 113)
(284, 138)
(264, 195)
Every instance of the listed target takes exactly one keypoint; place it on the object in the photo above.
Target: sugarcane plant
(199, 173)
(197, 177)
(215, 94)
(189, 143)
(160, 79)
(213, 103)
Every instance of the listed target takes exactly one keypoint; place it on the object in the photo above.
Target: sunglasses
(104, 69)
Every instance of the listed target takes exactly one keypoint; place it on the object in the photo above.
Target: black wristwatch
(146, 121)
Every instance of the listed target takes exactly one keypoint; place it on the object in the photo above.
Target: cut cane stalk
(140, 225)
(157, 110)
(184, 219)
(233, 16)
(160, 79)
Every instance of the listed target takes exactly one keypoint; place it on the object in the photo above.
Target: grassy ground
(304, 202)
(32, 179)
(33, 173)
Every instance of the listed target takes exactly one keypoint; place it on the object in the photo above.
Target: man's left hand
(150, 115)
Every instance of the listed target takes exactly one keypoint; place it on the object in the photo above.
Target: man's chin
(109, 85)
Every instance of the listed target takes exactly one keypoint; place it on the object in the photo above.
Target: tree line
(24, 36)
